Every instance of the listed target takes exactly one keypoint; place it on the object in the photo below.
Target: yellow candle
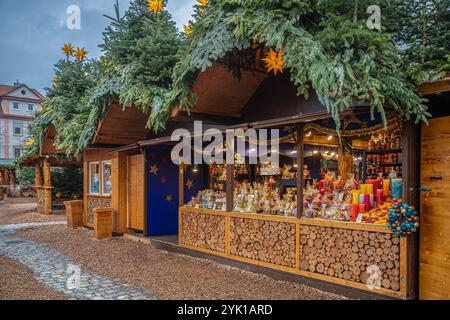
(355, 197)
(386, 188)
(363, 189)
(369, 188)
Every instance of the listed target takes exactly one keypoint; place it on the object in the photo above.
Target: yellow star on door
(154, 170)
(169, 198)
(189, 184)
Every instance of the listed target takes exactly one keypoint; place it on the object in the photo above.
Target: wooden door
(434, 278)
(135, 192)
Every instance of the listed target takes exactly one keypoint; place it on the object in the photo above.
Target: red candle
(354, 209)
(362, 208)
(367, 201)
(380, 197)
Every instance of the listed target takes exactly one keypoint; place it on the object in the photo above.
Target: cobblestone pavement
(62, 274)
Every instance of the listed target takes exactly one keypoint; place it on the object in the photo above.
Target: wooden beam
(181, 172)
(432, 87)
(317, 140)
(411, 182)
(38, 181)
(300, 164)
(47, 188)
(230, 187)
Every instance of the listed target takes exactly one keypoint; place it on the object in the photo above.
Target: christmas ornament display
(403, 220)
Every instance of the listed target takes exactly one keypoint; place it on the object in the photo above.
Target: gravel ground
(170, 276)
(18, 283)
(22, 210)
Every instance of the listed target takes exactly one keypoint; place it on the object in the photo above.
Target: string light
(308, 134)
(330, 138)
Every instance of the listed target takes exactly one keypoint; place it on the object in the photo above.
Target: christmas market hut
(342, 204)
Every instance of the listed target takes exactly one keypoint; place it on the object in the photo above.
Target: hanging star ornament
(155, 6)
(80, 54)
(68, 50)
(154, 170)
(274, 61)
(188, 30)
(203, 3)
(189, 184)
(169, 198)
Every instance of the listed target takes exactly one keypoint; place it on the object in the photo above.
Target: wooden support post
(181, 172)
(411, 141)
(47, 188)
(230, 187)
(13, 183)
(300, 164)
(2, 196)
(39, 183)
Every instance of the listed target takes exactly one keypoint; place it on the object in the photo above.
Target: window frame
(90, 176)
(104, 163)
(15, 148)
(20, 127)
(14, 104)
(30, 105)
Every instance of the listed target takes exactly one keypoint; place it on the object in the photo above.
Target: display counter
(359, 255)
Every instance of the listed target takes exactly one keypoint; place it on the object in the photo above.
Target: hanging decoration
(163, 180)
(274, 61)
(381, 128)
(169, 198)
(155, 6)
(80, 54)
(189, 184)
(403, 220)
(68, 50)
(154, 170)
(203, 3)
(188, 29)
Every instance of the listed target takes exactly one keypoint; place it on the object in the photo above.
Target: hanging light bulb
(330, 138)
(308, 133)
(195, 169)
(315, 151)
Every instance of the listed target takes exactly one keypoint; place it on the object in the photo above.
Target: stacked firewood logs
(267, 241)
(353, 255)
(203, 231)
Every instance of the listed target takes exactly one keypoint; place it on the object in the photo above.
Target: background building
(18, 106)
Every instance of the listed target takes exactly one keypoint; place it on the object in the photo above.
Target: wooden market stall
(363, 254)
(434, 271)
(115, 179)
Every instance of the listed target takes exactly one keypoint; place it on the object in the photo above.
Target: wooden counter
(350, 254)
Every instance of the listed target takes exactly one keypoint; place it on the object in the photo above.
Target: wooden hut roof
(121, 126)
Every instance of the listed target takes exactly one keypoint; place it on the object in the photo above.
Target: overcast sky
(33, 31)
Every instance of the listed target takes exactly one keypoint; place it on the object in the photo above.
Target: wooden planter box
(74, 214)
(103, 223)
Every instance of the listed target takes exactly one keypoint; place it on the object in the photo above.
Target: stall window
(94, 178)
(106, 173)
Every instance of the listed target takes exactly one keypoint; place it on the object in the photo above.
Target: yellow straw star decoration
(274, 61)
(68, 49)
(203, 3)
(188, 29)
(155, 6)
(80, 54)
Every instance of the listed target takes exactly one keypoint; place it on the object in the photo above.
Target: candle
(367, 201)
(355, 197)
(371, 200)
(361, 198)
(397, 188)
(363, 188)
(354, 209)
(362, 208)
(386, 188)
(380, 197)
(369, 188)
